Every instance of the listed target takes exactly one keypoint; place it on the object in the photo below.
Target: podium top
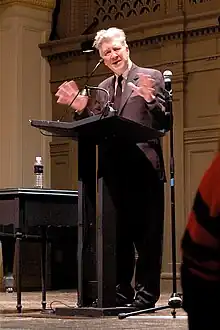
(98, 128)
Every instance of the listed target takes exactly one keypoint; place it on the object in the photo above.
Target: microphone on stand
(167, 75)
(84, 91)
(97, 88)
(107, 107)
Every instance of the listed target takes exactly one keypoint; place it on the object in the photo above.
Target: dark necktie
(117, 98)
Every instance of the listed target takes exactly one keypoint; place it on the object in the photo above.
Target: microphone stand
(175, 300)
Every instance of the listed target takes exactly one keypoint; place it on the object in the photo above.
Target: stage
(32, 318)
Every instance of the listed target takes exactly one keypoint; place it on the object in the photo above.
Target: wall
(24, 90)
(24, 95)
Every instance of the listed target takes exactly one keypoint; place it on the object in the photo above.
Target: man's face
(115, 55)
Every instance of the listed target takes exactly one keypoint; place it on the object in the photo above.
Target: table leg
(43, 265)
(18, 238)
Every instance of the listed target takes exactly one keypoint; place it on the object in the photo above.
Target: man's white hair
(109, 34)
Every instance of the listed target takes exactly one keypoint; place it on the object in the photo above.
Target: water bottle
(38, 172)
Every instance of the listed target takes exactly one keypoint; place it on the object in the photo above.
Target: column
(24, 90)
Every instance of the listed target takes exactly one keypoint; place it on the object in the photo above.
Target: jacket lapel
(111, 88)
(132, 77)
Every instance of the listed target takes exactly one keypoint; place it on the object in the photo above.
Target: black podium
(96, 228)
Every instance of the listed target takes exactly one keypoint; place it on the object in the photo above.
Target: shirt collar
(126, 72)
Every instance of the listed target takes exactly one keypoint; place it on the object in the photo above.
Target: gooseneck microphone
(107, 107)
(85, 89)
(97, 88)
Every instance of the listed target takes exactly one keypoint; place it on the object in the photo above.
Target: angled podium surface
(96, 232)
(99, 128)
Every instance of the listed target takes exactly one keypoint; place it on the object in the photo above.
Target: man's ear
(127, 50)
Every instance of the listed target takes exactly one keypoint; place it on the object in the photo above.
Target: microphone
(87, 88)
(107, 107)
(96, 67)
(167, 75)
(84, 91)
(169, 122)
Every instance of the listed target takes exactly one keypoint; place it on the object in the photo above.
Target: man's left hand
(145, 87)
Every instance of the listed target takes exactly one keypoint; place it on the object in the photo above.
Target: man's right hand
(66, 94)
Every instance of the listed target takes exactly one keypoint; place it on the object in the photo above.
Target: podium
(96, 230)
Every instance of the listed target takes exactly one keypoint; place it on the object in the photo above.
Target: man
(134, 174)
(200, 270)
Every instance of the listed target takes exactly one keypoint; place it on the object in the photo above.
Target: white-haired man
(134, 174)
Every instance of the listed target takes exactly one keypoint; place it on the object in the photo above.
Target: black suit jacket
(135, 108)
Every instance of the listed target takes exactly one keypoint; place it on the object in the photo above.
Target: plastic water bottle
(38, 172)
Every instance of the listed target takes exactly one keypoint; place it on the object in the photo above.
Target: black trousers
(138, 195)
(200, 301)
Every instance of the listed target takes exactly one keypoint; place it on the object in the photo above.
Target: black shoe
(124, 295)
(143, 300)
(139, 304)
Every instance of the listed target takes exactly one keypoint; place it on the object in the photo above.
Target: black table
(27, 214)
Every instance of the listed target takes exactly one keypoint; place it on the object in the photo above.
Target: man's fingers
(62, 92)
(63, 100)
(133, 86)
(152, 90)
(66, 91)
(81, 102)
(58, 93)
(63, 84)
(146, 80)
(141, 74)
(70, 87)
(73, 85)
(141, 88)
